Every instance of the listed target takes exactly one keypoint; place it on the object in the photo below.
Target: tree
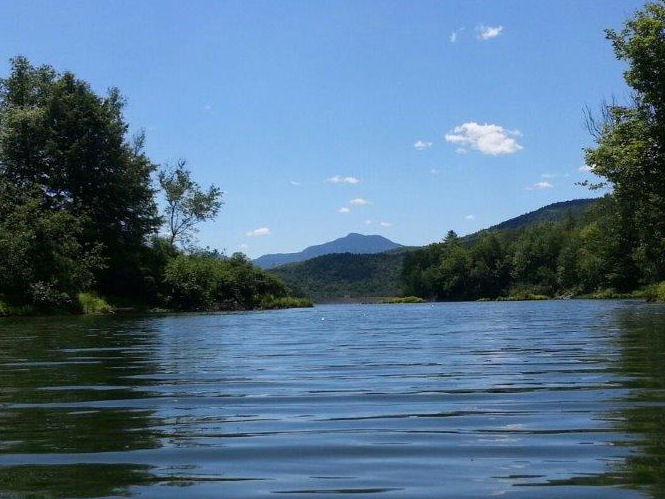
(61, 140)
(630, 141)
(187, 204)
(41, 261)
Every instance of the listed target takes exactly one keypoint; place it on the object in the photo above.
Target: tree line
(79, 211)
(619, 246)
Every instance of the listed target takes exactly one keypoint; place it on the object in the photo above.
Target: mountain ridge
(351, 243)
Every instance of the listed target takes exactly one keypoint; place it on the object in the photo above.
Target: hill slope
(550, 213)
(344, 275)
(353, 243)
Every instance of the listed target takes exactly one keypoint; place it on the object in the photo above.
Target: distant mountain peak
(351, 243)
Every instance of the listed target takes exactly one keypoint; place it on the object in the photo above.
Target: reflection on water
(642, 345)
(525, 399)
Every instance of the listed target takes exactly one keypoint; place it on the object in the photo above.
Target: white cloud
(539, 186)
(486, 138)
(243, 246)
(548, 175)
(422, 144)
(469, 217)
(344, 209)
(368, 222)
(385, 224)
(488, 32)
(461, 150)
(455, 35)
(338, 179)
(586, 169)
(293, 182)
(207, 108)
(359, 202)
(434, 171)
(262, 231)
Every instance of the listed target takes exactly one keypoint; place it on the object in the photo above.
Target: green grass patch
(612, 294)
(270, 303)
(7, 310)
(655, 292)
(92, 304)
(523, 296)
(404, 299)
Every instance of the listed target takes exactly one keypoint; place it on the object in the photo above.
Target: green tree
(187, 205)
(630, 141)
(42, 262)
(61, 140)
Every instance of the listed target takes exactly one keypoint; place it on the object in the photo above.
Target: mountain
(344, 275)
(353, 243)
(554, 212)
(550, 213)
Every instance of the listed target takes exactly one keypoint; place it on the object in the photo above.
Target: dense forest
(79, 217)
(365, 276)
(619, 246)
(345, 275)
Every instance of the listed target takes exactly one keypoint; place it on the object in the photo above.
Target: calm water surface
(529, 399)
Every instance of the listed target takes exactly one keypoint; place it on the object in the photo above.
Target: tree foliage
(61, 140)
(573, 256)
(187, 205)
(78, 210)
(630, 143)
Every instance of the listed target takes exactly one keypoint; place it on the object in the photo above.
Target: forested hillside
(344, 275)
(356, 276)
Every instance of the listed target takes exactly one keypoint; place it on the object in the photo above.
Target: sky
(319, 118)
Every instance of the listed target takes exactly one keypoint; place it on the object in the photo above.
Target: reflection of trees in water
(73, 480)
(68, 363)
(641, 418)
(643, 361)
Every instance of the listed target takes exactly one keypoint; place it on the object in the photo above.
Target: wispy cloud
(488, 32)
(385, 224)
(243, 246)
(344, 209)
(359, 202)
(548, 175)
(586, 169)
(262, 231)
(486, 138)
(207, 108)
(539, 186)
(455, 35)
(469, 217)
(422, 145)
(434, 171)
(368, 222)
(293, 182)
(338, 179)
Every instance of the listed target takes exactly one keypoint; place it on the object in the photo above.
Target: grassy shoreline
(90, 304)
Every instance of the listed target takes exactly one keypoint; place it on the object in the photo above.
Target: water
(529, 399)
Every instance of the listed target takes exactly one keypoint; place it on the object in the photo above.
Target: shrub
(655, 292)
(91, 304)
(404, 299)
(270, 302)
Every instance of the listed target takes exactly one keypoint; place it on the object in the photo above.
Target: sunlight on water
(525, 399)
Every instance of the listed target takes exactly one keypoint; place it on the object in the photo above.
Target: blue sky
(319, 118)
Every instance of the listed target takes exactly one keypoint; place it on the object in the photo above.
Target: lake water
(530, 399)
